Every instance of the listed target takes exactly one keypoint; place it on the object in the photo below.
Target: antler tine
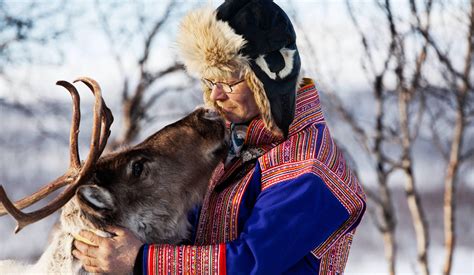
(39, 195)
(94, 151)
(24, 219)
(107, 120)
(11, 209)
(106, 117)
(75, 160)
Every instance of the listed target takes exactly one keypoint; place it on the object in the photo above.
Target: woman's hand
(108, 255)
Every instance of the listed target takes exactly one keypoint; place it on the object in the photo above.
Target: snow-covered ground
(367, 254)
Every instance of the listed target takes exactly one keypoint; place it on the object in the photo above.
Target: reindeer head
(151, 186)
(147, 188)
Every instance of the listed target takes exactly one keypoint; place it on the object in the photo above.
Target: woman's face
(238, 106)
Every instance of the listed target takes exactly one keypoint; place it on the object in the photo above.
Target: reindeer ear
(97, 198)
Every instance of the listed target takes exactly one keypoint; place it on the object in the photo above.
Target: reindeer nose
(211, 114)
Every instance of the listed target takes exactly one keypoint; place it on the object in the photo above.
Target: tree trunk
(389, 224)
(390, 249)
(388, 214)
(449, 191)
(414, 204)
(455, 154)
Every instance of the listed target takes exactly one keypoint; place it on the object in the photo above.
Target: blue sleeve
(284, 222)
(288, 221)
(193, 218)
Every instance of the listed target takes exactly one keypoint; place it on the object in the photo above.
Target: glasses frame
(211, 84)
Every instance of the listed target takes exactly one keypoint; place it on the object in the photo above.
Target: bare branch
(419, 116)
(443, 57)
(108, 34)
(154, 31)
(349, 118)
(176, 67)
(435, 135)
(364, 40)
(157, 95)
(469, 154)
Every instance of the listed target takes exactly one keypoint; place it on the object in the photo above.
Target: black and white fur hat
(254, 37)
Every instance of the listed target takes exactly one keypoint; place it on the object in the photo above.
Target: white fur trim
(260, 61)
(288, 55)
(209, 47)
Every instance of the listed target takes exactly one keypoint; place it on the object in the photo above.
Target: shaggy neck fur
(57, 258)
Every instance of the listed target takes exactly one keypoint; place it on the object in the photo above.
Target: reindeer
(148, 188)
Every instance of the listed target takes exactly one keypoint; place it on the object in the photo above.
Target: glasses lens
(226, 87)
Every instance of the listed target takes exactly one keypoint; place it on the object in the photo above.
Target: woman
(284, 200)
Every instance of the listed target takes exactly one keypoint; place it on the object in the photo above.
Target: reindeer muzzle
(211, 114)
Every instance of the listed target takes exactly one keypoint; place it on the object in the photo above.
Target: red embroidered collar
(308, 111)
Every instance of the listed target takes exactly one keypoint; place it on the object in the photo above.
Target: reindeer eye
(137, 169)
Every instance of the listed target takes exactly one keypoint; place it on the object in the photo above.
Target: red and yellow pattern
(186, 259)
(218, 224)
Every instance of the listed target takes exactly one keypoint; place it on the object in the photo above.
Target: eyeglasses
(227, 88)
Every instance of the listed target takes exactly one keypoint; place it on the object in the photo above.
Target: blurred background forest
(395, 77)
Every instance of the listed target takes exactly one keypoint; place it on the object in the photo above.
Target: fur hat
(253, 37)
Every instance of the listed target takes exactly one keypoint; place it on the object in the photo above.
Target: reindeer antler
(75, 175)
(75, 162)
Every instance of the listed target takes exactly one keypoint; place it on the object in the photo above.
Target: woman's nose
(217, 93)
